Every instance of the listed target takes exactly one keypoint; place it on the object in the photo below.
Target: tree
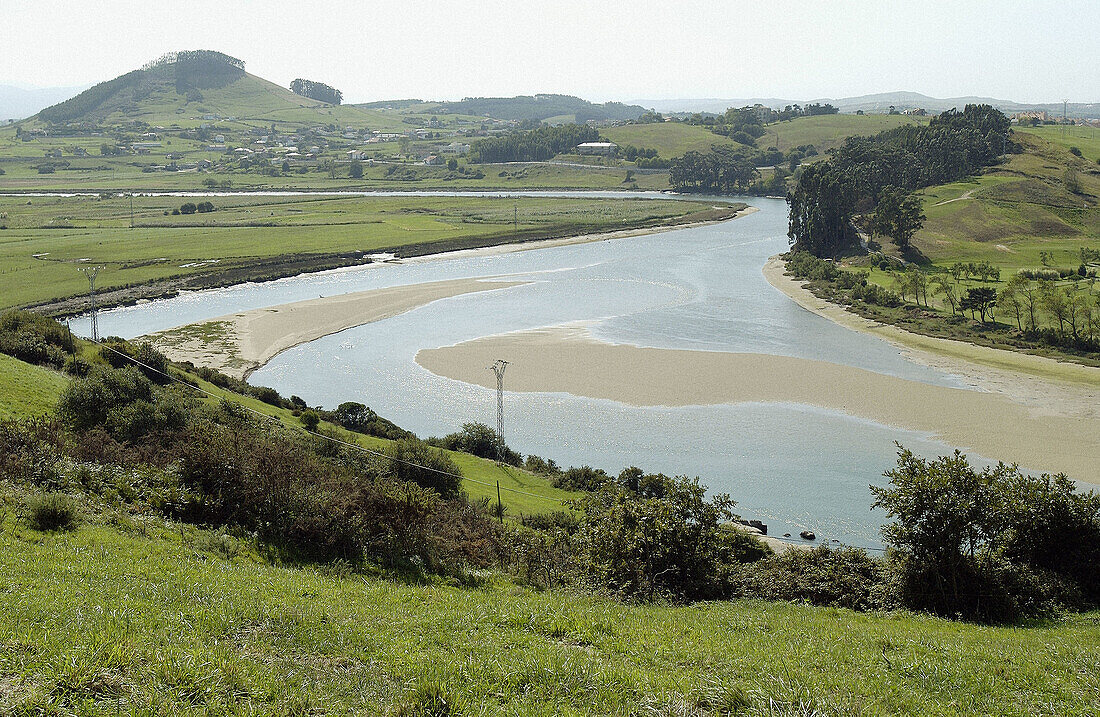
(948, 291)
(316, 91)
(355, 171)
(974, 543)
(188, 208)
(979, 299)
(452, 164)
(1054, 302)
(1010, 298)
(898, 215)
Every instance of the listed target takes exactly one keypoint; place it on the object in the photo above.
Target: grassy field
(27, 390)
(828, 131)
(1013, 211)
(47, 239)
(670, 139)
(138, 616)
(1086, 139)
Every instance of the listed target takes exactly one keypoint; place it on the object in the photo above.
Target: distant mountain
(17, 103)
(875, 103)
(543, 107)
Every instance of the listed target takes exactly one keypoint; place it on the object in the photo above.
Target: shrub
(52, 511)
(310, 420)
(670, 542)
(480, 440)
(993, 545)
(417, 462)
(844, 577)
(584, 478)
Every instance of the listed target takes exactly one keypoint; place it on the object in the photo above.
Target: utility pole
(91, 272)
(498, 368)
(131, 211)
(515, 217)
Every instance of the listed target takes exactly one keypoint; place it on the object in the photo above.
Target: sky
(1036, 51)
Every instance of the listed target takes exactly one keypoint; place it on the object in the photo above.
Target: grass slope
(670, 139)
(1013, 211)
(145, 618)
(1086, 139)
(828, 131)
(27, 390)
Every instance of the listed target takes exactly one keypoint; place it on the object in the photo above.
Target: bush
(417, 462)
(480, 440)
(844, 577)
(585, 478)
(993, 545)
(34, 339)
(670, 542)
(52, 511)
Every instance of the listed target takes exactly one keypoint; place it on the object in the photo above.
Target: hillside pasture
(670, 139)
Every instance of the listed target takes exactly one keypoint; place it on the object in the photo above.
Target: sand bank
(1055, 437)
(237, 344)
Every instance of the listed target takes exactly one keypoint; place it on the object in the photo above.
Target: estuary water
(793, 466)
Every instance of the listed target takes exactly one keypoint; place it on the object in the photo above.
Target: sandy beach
(1052, 438)
(238, 344)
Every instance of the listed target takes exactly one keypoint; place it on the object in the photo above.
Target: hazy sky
(1028, 51)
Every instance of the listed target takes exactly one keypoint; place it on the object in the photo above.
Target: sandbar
(239, 343)
(1061, 436)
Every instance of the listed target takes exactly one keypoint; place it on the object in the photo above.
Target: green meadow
(47, 239)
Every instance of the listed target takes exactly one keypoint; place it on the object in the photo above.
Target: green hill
(670, 139)
(189, 92)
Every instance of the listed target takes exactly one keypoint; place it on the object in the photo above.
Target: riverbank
(1061, 434)
(262, 253)
(1037, 381)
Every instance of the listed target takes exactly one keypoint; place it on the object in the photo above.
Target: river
(793, 466)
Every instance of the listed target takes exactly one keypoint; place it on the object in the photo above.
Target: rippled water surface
(699, 288)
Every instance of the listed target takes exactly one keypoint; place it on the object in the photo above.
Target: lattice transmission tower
(498, 368)
(91, 272)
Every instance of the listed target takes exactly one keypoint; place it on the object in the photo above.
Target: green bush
(993, 545)
(480, 440)
(669, 542)
(417, 462)
(843, 577)
(52, 511)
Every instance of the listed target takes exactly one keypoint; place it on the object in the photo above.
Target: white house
(607, 148)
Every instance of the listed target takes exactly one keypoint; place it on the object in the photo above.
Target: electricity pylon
(498, 368)
(91, 273)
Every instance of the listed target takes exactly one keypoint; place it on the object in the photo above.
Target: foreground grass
(142, 618)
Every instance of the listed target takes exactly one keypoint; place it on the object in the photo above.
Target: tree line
(532, 145)
(890, 164)
(317, 91)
